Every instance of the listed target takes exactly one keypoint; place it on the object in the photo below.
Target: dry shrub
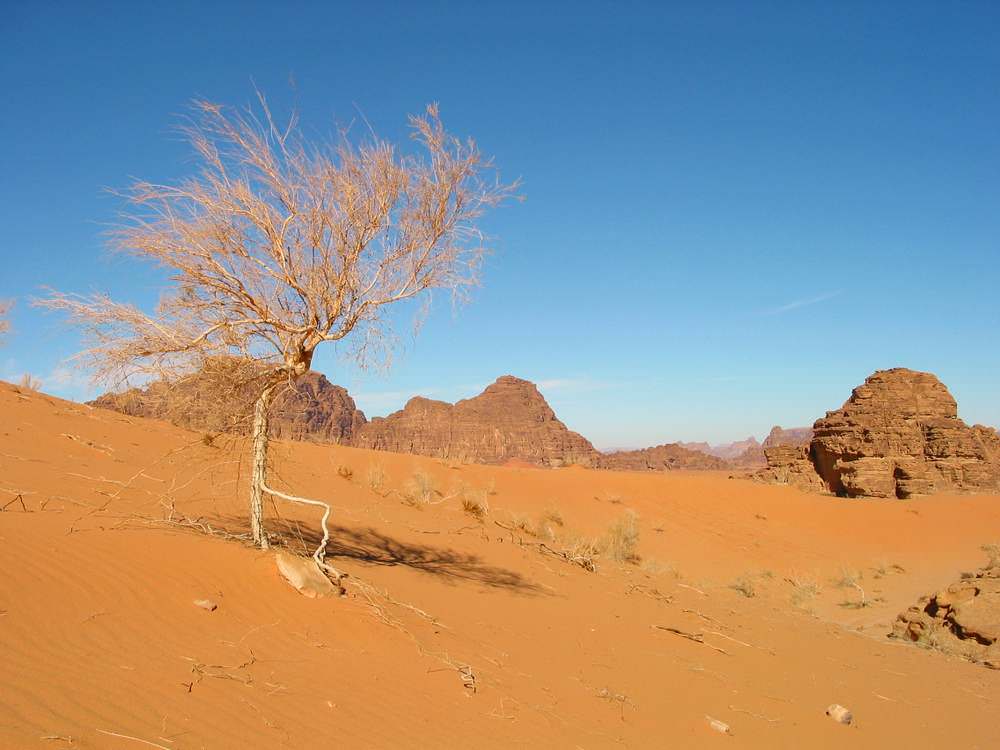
(29, 382)
(474, 502)
(621, 539)
(420, 489)
(582, 552)
(376, 477)
(804, 590)
(849, 578)
(744, 585)
(345, 472)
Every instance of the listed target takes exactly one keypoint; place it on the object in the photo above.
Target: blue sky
(734, 211)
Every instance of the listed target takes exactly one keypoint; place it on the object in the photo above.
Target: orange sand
(99, 636)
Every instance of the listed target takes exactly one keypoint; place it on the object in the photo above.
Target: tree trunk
(258, 476)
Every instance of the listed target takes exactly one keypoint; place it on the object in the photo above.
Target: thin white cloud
(805, 302)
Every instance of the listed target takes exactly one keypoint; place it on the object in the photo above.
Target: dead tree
(278, 245)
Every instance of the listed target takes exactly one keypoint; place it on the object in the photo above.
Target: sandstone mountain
(660, 458)
(792, 436)
(509, 420)
(897, 435)
(744, 454)
(726, 451)
(311, 409)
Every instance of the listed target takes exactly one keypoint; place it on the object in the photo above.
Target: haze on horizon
(733, 215)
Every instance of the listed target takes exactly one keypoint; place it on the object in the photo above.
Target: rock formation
(898, 435)
(963, 619)
(791, 436)
(509, 420)
(744, 454)
(791, 464)
(660, 458)
(751, 457)
(311, 409)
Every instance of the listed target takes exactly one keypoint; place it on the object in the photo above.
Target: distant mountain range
(509, 421)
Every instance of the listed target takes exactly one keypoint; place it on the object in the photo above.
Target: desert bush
(208, 440)
(744, 585)
(376, 477)
(804, 590)
(583, 552)
(621, 539)
(345, 472)
(474, 502)
(29, 382)
(848, 578)
(420, 489)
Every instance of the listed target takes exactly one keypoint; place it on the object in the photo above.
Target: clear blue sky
(734, 211)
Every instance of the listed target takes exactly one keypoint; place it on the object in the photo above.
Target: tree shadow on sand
(372, 547)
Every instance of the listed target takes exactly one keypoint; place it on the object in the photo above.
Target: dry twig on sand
(696, 637)
(134, 739)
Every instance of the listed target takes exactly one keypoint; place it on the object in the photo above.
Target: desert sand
(454, 631)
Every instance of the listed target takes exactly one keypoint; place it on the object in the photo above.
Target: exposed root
(320, 553)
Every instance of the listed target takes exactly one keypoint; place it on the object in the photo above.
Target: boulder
(963, 619)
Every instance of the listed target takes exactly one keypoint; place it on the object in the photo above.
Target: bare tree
(278, 245)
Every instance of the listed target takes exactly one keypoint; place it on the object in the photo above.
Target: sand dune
(453, 634)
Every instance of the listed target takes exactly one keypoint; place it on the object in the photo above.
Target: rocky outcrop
(316, 409)
(509, 420)
(660, 458)
(963, 619)
(898, 435)
(751, 457)
(791, 464)
(310, 409)
(744, 454)
(791, 436)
